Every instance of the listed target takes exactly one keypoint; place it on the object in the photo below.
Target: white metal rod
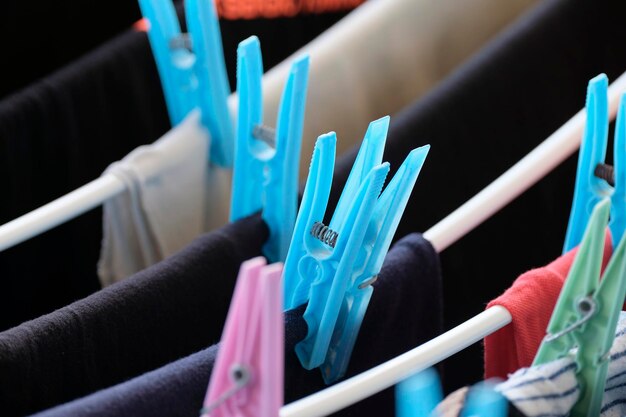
(59, 211)
(530, 169)
(391, 372)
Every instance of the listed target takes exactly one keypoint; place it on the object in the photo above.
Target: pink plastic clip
(247, 379)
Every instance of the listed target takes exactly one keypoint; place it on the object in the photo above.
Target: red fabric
(530, 300)
(141, 25)
(255, 9)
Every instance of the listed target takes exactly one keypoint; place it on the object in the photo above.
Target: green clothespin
(586, 314)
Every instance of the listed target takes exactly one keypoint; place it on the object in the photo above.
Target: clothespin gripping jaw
(585, 317)
(380, 231)
(267, 161)
(212, 79)
(312, 240)
(592, 152)
(175, 63)
(299, 271)
(334, 266)
(247, 379)
(192, 69)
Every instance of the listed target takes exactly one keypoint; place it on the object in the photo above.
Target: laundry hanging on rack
(530, 300)
(163, 313)
(166, 203)
(29, 293)
(552, 388)
(407, 288)
(467, 257)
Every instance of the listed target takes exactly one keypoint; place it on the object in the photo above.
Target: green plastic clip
(585, 317)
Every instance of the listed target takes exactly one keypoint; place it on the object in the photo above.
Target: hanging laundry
(160, 314)
(405, 310)
(552, 389)
(167, 202)
(57, 135)
(517, 87)
(63, 131)
(530, 300)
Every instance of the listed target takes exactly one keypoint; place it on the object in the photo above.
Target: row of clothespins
(332, 267)
(582, 325)
(329, 266)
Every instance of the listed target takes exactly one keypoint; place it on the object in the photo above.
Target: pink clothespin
(247, 379)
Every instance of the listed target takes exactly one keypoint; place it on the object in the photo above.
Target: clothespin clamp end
(380, 231)
(589, 189)
(266, 160)
(585, 317)
(247, 379)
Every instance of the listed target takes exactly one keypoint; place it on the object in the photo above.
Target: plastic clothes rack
(517, 179)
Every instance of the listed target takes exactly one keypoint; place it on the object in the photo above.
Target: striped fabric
(550, 390)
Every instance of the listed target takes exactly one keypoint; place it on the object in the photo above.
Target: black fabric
(156, 316)
(56, 136)
(405, 310)
(62, 132)
(41, 36)
(481, 120)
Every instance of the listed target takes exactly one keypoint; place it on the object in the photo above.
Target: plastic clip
(247, 379)
(586, 314)
(419, 394)
(590, 189)
(192, 69)
(265, 174)
(333, 267)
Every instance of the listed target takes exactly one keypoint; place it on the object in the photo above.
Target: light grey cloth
(551, 389)
(171, 196)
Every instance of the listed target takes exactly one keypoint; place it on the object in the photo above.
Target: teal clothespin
(334, 266)
(590, 189)
(586, 314)
(192, 69)
(419, 394)
(265, 174)
(484, 401)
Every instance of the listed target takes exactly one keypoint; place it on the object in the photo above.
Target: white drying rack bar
(59, 211)
(521, 176)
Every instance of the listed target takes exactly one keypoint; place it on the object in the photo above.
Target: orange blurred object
(254, 9)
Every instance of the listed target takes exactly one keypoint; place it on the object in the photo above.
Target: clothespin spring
(586, 306)
(265, 133)
(605, 172)
(327, 235)
(324, 233)
(240, 375)
(182, 41)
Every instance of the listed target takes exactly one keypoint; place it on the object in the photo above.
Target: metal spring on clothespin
(324, 233)
(265, 133)
(605, 172)
(241, 377)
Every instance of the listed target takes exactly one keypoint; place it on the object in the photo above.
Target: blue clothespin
(334, 266)
(484, 401)
(590, 189)
(419, 394)
(265, 174)
(192, 69)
